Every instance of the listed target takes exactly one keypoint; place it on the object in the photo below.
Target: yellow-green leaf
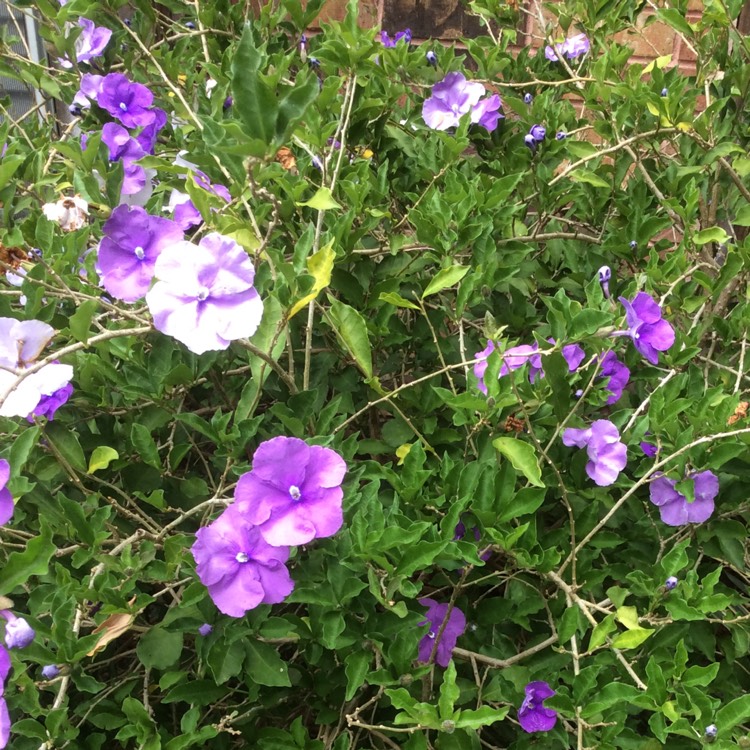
(628, 616)
(522, 456)
(397, 300)
(659, 62)
(322, 200)
(632, 638)
(585, 175)
(444, 279)
(320, 267)
(101, 458)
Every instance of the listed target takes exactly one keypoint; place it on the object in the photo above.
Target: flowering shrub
(246, 441)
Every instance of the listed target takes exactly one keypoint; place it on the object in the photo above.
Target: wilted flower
(533, 716)
(21, 342)
(431, 58)
(671, 583)
(436, 614)
(18, 632)
(605, 274)
(388, 42)
(48, 405)
(618, 374)
(126, 101)
(205, 629)
(607, 455)
(6, 499)
(675, 509)
(128, 250)
(91, 41)
(573, 47)
(204, 296)
(50, 671)
(651, 334)
(454, 97)
(293, 492)
(69, 213)
(238, 567)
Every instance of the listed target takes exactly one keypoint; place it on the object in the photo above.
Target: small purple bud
(664, 92)
(671, 583)
(302, 41)
(633, 244)
(605, 274)
(710, 732)
(75, 110)
(561, 135)
(228, 102)
(431, 58)
(538, 133)
(205, 629)
(127, 22)
(18, 632)
(313, 62)
(50, 671)
(530, 141)
(528, 98)
(189, 25)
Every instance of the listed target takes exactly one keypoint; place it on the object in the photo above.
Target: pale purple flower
(529, 140)
(436, 614)
(128, 251)
(238, 567)
(128, 102)
(21, 342)
(538, 133)
(451, 99)
(205, 629)
(573, 355)
(293, 492)
(6, 500)
(481, 367)
(651, 334)
(18, 632)
(487, 113)
(91, 41)
(533, 716)
(123, 147)
(675, 509)
(48, 405)
(605, 274)
(573, 47)
(671, 583)
(607, 455)
(185, 214)
(89, 90)
(204, 296)
(618, 374)
(50, 671)
(388, 42)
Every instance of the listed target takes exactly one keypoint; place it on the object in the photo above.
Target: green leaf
(66, 442)
(445, 279)
(585, 175)
(420, 556)
(80, 320)
(141, 438)
(33, 561)
(733, 713)
(631, 638)
(21, 448)
(8, 167)
(522, 456)
(264, 666)
(628, 616)
(601, 632)
(397, 300)
(712, 234)
(226, 661)
(351, 328)
(321, 201)
(357, 667)
(294, 104)
(449, 692)
(159, 648)
(697, 675)
(568, 624)
(481, 717)
(101, 457)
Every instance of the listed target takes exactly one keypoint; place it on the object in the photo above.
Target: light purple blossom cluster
(647, 328)
(572, 47)
(291, 496)
(388, 42)
(607, 455)
(675, 509)
(454, 97)
(535, 136)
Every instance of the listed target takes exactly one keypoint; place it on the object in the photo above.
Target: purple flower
(388, 42)
(671, 583)
(185, 214)
(4, 717)
(18, 632)
(128, 251)
(455, 626)
(50, 671)
(6, 500)
(618, 375)
(675, 509)
(90, 88)
(533, 716)
(651, 334)
(123, 147)
(128, 102)
(487, 113)
(481, 367)
(649, 448)
(293, 492)
(528, 139)
(48, 405)
(573, 47)
(528, 98)
(431, 58)
(91, 41)
(572, 353)
(205, 629)
(561, 135)
(607, 455)
(204, 296)
(460, 532)
(605, 274)
(451, 99)
(148, 135)
(538, 133)
(238, 567)
(21, 342)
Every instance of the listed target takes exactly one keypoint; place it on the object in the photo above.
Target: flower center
(139, 253)
(241, 557)
(431, 635)
(203, 295)
(123, 106)
(294, 492)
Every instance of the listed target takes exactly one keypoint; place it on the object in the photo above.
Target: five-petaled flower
(607, 455)
(128, 102)
(293, 492)
(533, 716)
(454, 97)
(675, 509)
(455, 626)
(240, 569)
(651, 334)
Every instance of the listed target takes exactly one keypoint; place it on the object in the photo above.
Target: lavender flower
(148, 135)
(671, 583)
(91, 41)
(293, 492)
(538, 133)
(239, 568)
(205, 629)
(561, 135)
(454, 97)
(21, 342)
(573, 47)
(6, 499)
(481, 367)
(128, 251)
(533, 716)
(675, 509)
(48, 405)
(50, 671)
(128, 102)
(528, 98)
(388, 42)
(605, 274)
(487, 113)
(651, 334)
(436, 614)
(607, 455)
(123, 147)
(205, 296)
(618, 374)
(89, 90)
(18, 632)
(529, 140)
(185, 214)
(431, 58)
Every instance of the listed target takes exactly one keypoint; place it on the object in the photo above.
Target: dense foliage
(567, 508)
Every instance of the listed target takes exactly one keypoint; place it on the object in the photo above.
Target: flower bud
(50, 671)
(664, 91)
(205, 629)
(528, 98)
(189, 25)
(605, 274)
(561, 135)
(633, 244)
(431, 58)
(538, 133)
(671, 583)
(530, 142)
(710, 732)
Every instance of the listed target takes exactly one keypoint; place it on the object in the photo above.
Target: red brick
(650, 41)
(370, 12)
